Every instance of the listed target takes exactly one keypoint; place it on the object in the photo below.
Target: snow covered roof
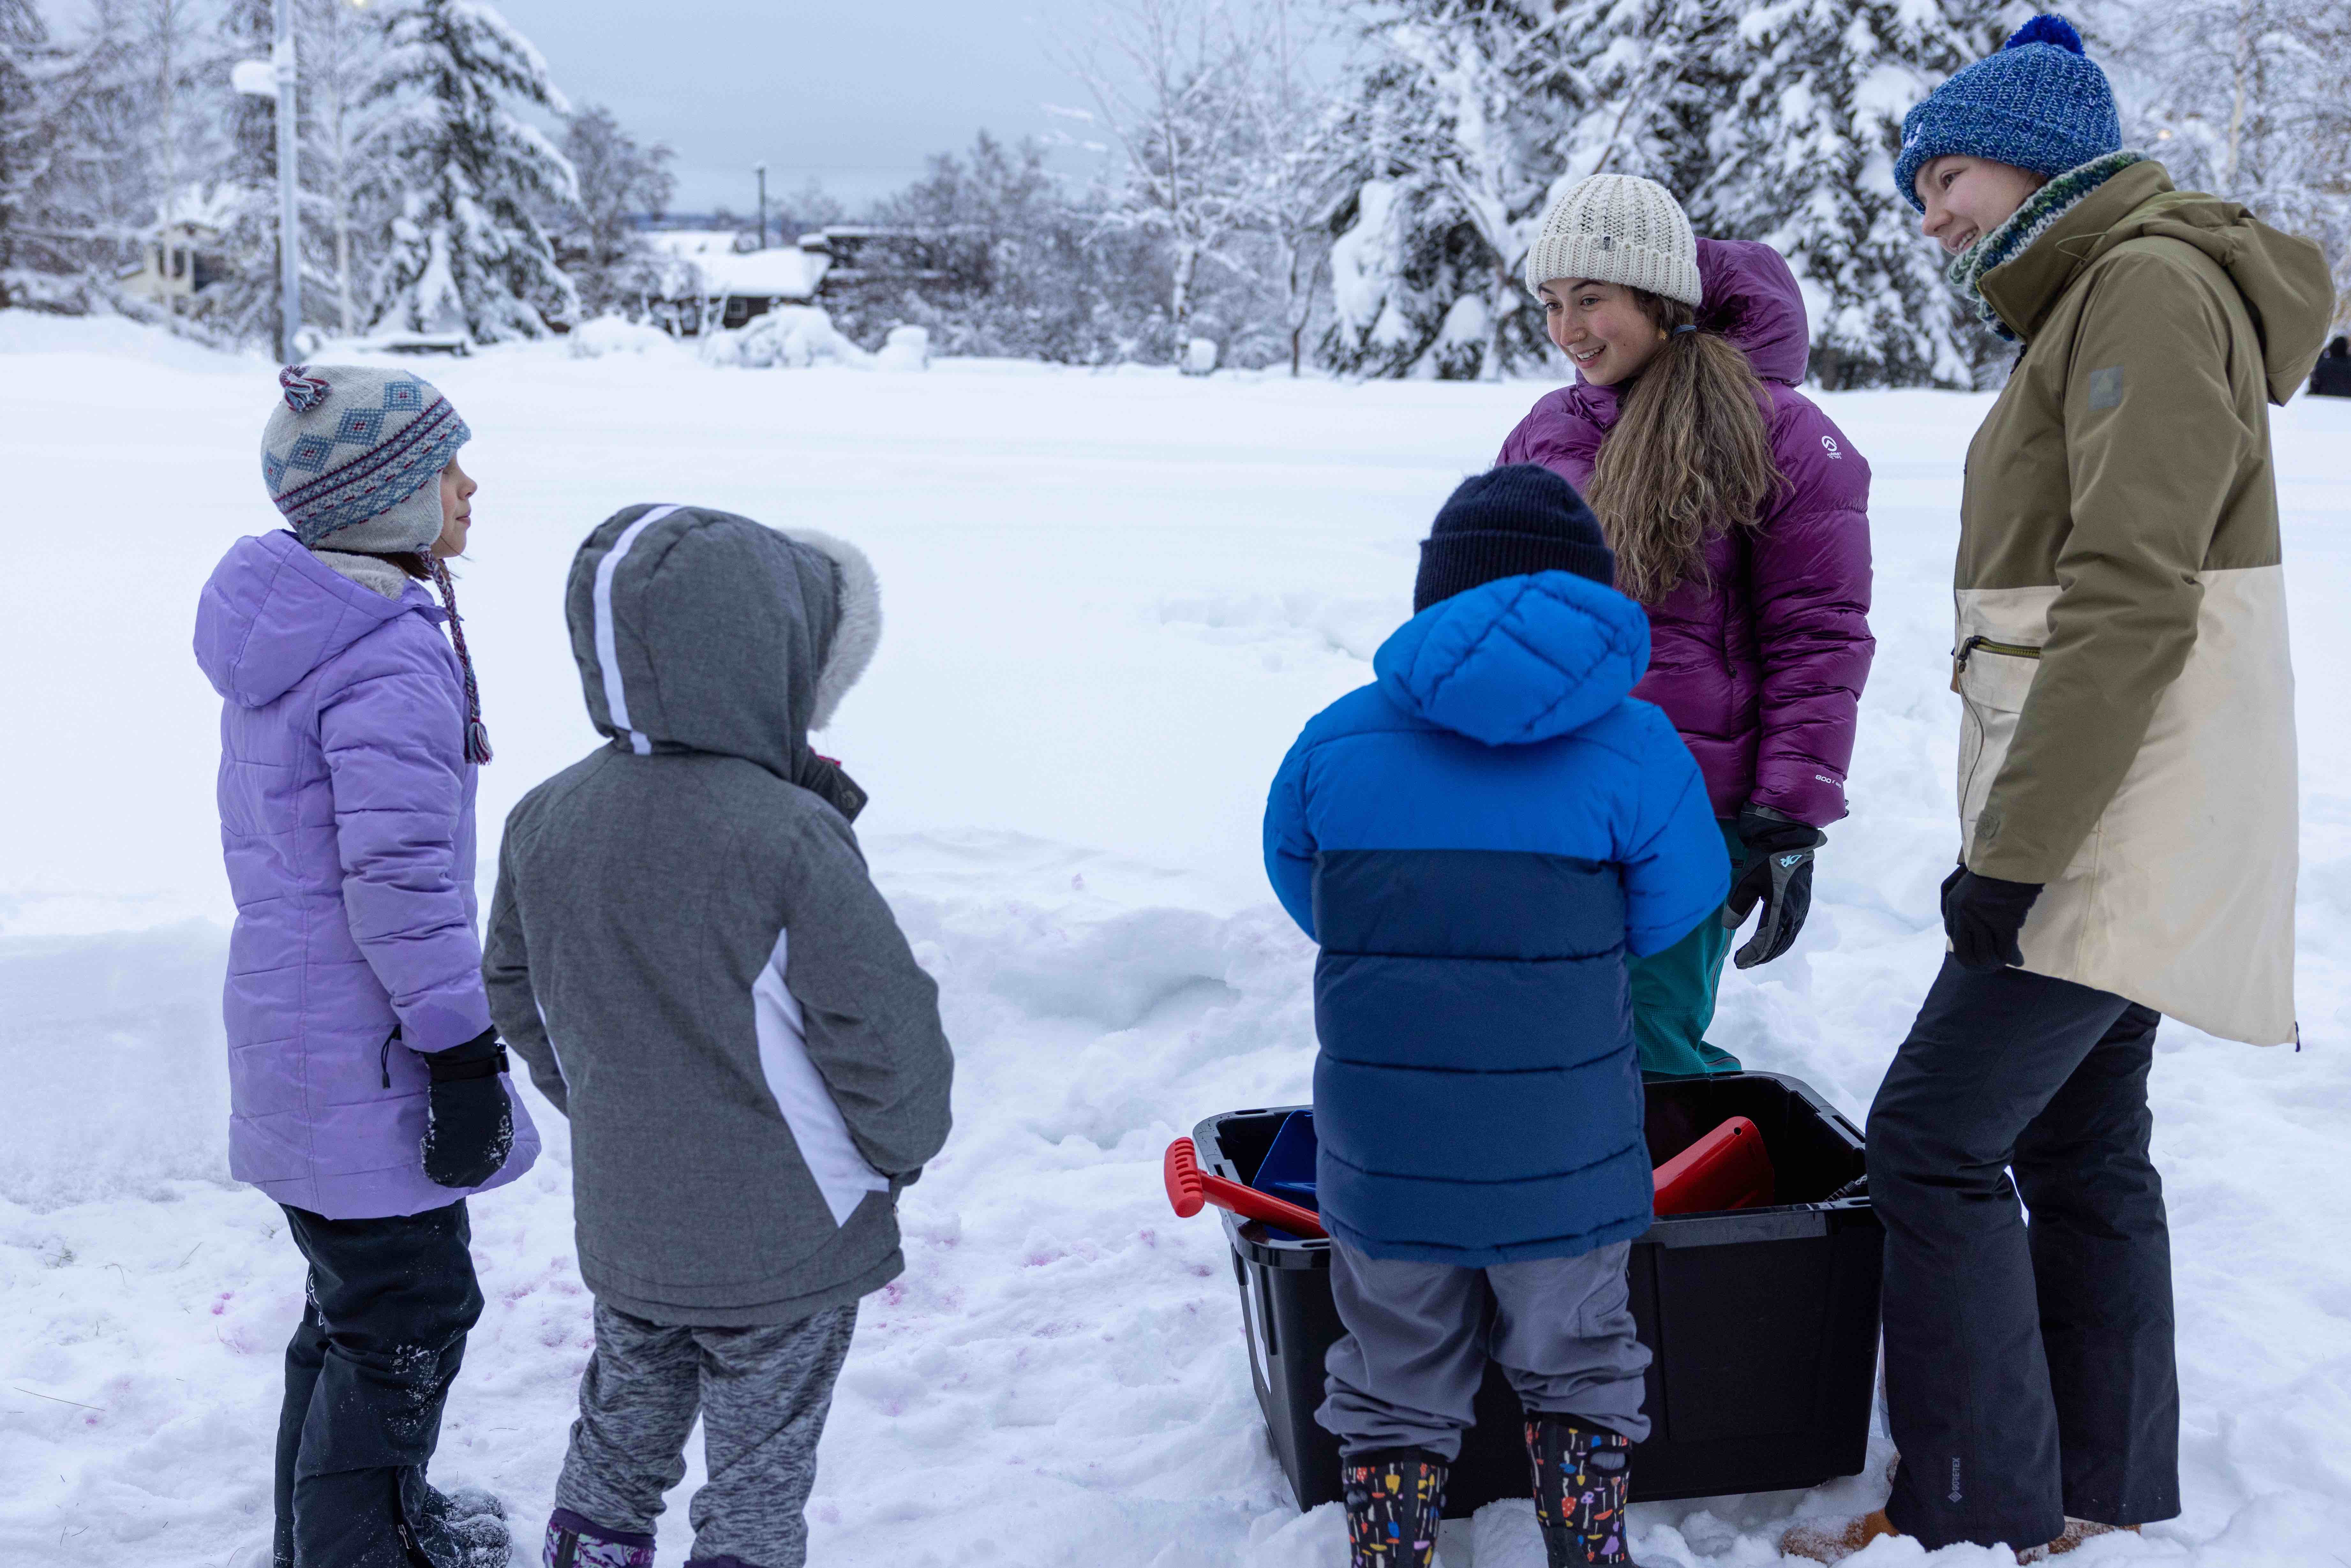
(694, 243)
(202, 206)
(785, 272)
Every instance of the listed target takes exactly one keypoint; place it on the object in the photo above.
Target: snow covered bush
(907, 349)
(789, 337)
(616, 334)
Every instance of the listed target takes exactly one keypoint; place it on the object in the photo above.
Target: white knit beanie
(1618, 228)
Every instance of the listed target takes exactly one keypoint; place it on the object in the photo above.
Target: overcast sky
(855, 92)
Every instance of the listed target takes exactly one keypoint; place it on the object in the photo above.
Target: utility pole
(289, 214)
(273, 77)
(761, 170)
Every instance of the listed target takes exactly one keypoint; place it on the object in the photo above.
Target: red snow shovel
(1728, 1168)
(1189, 1186)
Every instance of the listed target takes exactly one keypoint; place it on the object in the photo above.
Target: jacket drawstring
(477, 737)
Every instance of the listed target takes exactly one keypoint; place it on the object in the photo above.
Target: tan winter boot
(1821, 1541)
(2077, 1531)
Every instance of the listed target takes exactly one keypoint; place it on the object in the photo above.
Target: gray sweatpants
(1405, 1373)
(762, 1393)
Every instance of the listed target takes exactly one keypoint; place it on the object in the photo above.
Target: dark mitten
(1983, 916)
(472, 1126)
(822, 777)
(1582, 1478)
(1777, 873)
(1394, 1501)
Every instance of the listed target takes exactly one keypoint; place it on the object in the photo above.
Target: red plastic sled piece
(1728, 1168)
(1189, 1186)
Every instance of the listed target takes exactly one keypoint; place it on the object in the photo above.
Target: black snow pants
(2029, 1370)
(381, 1340)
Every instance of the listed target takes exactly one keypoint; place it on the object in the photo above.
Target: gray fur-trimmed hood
(698, 630)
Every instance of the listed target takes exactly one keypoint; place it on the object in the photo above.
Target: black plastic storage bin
(1763, 1322)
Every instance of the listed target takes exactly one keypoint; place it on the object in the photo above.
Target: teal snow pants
(1673, 993)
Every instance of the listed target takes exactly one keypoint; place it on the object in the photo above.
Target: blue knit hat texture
(2040, 104)
(1512, 521)
(351, 452)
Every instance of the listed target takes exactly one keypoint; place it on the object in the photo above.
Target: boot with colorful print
(1581, 1477)
(1395, 1500)
(575, 1542)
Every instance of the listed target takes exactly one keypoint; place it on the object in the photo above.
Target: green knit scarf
(2029, 223)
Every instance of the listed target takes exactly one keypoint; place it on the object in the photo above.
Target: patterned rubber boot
(1581, 1477)
(1394, 1499)
(575, 1542)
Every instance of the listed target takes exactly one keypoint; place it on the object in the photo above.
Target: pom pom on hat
(302, 388)
(2047, 30)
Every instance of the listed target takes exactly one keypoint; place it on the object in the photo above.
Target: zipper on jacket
(385, 1060)
(1967, 649)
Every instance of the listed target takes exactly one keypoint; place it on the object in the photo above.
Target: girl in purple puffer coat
(368, 1090)
(1739, 517)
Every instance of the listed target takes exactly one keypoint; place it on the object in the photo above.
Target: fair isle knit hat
(2040, 104)
(351, 456)
(1618, 228)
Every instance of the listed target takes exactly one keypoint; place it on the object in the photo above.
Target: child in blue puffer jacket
(1478, 841)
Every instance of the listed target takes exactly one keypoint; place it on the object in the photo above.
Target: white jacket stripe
(608, 658)
(817, 1127)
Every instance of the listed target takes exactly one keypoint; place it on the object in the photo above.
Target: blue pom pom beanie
(2039, 104)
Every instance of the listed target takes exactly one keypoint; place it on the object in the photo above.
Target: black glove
(1778, 871)
(1984, 915)
(471, 1128)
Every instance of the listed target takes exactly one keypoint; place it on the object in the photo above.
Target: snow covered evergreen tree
(1800, 155)
(457, 175)
(1469, 117)
(29, 264)
(1452, 134)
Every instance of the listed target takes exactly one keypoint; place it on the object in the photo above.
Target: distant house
(713, 283)
(719, 278)
(181, 255)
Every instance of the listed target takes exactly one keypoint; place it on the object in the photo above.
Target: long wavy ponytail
(1688, 460)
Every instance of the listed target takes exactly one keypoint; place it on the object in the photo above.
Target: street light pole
(289, 215)
(762, 172)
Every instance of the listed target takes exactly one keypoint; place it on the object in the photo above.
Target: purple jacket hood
(273, 612)
(346, 827)
(1762, 670)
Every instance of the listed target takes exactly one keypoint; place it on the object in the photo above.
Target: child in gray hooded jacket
(688, 950)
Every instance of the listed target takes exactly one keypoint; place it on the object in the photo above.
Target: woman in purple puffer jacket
(368, 1090)
(1739, 516)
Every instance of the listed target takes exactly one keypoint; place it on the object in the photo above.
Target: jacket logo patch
(2107, 388)
(1829, 445)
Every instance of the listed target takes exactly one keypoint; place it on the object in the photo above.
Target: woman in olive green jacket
(2126, 797)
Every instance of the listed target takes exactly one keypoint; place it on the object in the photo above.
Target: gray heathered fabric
(762, 1395)
(639, 899)
(1405, 1373)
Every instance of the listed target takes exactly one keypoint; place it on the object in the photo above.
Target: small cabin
(721, 279)
(179, 261)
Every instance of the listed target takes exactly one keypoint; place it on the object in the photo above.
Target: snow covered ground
(1113, 598)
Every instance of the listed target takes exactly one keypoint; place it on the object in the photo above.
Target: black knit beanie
(1511, 522)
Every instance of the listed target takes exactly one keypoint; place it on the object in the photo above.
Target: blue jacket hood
(1518, 660)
